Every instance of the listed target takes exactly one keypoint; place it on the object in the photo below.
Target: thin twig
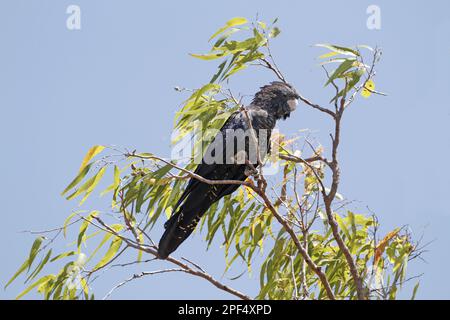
(153, 251)
(137, 276)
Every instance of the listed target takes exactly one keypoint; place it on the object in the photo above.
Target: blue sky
(112, 82)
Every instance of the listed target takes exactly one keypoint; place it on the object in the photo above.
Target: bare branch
(153, 251)
(269, 205)
(317, 107)
(140, 275)
(274, 68)
(190, 173)
(316, 269)
(328, 201)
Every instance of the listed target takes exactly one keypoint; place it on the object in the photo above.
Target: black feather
(269, 105)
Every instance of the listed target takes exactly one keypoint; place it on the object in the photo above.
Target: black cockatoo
(220, 161)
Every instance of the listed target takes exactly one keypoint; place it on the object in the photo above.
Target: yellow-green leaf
(328, 55)
(85, 287)
(108, 235)
(141, 241)
(34, 250)
(18, 272)
(274, 32)
(88, 186)
(84, 227)
(230, 23)
(236, 21)
(210, 56)
(34, 285)
(40, 266)
(416, 287)
(113, 249)
(91, 154)
(67, 221)
(63, 255)
(116, 182)
(77, 179)
(369, 87)
(339, 49)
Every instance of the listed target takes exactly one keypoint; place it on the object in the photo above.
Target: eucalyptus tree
(312, 245)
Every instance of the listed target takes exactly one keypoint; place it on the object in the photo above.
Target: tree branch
(328, 200)
(191, 174)
(316, 269)
(185, 268)
(269, 205)
(140, 275)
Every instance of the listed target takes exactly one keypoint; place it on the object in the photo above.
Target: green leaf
(336, 60)
(113, 249)
(339, 49)
(416, 287)
(67, 221)
(84, 227)
(329, 55)
(34, 285)
(210, 56)
(97, 179)
(343, 67)
(34, 250)
(146, 155)
(236, 22)
(108, 235)
(234, 70)
(85, 288)
(22, 268)
(230, 23)
(141, 241)
(355, 77)
(274, 32)
(40, 266)
(77, 179)
(95, 150)
(365, 47)
(88, 186)
(219, 71)
(206, 88)
(116, 182)
(224, 36)
(63, 255)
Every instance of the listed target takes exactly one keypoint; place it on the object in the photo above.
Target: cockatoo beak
(293, 104)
